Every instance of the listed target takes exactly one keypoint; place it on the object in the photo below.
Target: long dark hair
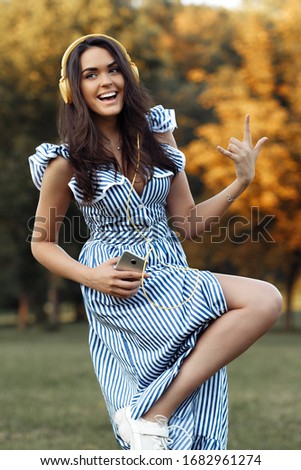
(87, 146)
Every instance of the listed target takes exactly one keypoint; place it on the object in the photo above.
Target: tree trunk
(53, 309)
(292, 277)
(289, 316)
(23, 310)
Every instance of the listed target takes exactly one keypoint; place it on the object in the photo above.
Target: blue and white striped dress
(138, 344)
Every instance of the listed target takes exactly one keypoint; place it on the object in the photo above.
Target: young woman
(159, 339)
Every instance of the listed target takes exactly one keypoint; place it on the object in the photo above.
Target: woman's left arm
(192, 220)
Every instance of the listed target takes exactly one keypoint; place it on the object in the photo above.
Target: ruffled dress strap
(39, 161)
(161, 119)
(176, 156)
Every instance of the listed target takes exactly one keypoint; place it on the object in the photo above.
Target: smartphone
(130, 262)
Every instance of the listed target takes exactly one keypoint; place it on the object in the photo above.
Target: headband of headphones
(64, 83)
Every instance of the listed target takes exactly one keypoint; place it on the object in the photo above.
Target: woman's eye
(114, 70)
(91, 75)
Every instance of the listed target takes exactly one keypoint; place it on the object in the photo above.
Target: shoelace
(163, 442)
(160, 419)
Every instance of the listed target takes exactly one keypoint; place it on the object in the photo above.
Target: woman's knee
(270, 302)
(254, 296)
(265, 308)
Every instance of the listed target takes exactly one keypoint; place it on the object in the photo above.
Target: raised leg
(253, 307)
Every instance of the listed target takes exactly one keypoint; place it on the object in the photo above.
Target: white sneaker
(141, 434)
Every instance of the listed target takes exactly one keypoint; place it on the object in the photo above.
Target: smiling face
(102, 83)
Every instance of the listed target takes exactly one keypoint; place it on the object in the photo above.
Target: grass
(50, 398)
(265, 394)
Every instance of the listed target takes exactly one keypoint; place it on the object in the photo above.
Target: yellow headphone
(64, 83)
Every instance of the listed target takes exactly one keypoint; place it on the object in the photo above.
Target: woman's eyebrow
(90, 69)
(113, 63)
(93, 69)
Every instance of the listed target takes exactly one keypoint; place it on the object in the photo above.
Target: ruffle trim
(40, 160)
(161, 119)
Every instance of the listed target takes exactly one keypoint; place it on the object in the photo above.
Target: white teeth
(108, 95)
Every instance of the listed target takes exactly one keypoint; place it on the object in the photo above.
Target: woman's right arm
(55, 198)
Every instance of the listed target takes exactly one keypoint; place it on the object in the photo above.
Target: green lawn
(50, 398)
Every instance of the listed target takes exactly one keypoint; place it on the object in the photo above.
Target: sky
(223, 3)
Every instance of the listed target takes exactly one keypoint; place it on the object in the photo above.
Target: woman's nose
(105, 80)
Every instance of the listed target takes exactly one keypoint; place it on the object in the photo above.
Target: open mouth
(110, 96)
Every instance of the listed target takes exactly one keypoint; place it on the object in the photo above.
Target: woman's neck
(108, 127)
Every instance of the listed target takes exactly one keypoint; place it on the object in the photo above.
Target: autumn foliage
(213, 66)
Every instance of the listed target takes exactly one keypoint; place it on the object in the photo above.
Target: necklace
(117, 146)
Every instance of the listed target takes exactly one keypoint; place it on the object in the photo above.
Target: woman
(159, 339)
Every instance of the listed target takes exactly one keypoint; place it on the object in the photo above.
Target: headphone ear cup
(135, 71)
(65, 90)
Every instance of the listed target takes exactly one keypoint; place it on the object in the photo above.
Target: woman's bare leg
(253, 307)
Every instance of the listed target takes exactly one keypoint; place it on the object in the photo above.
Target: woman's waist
(166, 248)
(130, 234)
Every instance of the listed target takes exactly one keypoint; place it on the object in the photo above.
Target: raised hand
(243, 154)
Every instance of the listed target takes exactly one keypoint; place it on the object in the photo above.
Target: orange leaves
(196, 75)
(254, 44)
(262, 77)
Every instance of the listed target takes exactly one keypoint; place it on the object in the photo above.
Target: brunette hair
(87, 146)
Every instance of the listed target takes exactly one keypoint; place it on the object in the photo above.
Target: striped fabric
(138, 345)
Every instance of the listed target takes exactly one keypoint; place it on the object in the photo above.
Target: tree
(212, 69)
(30, 67)
(258, 83)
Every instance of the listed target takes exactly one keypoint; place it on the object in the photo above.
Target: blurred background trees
(213, 65)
